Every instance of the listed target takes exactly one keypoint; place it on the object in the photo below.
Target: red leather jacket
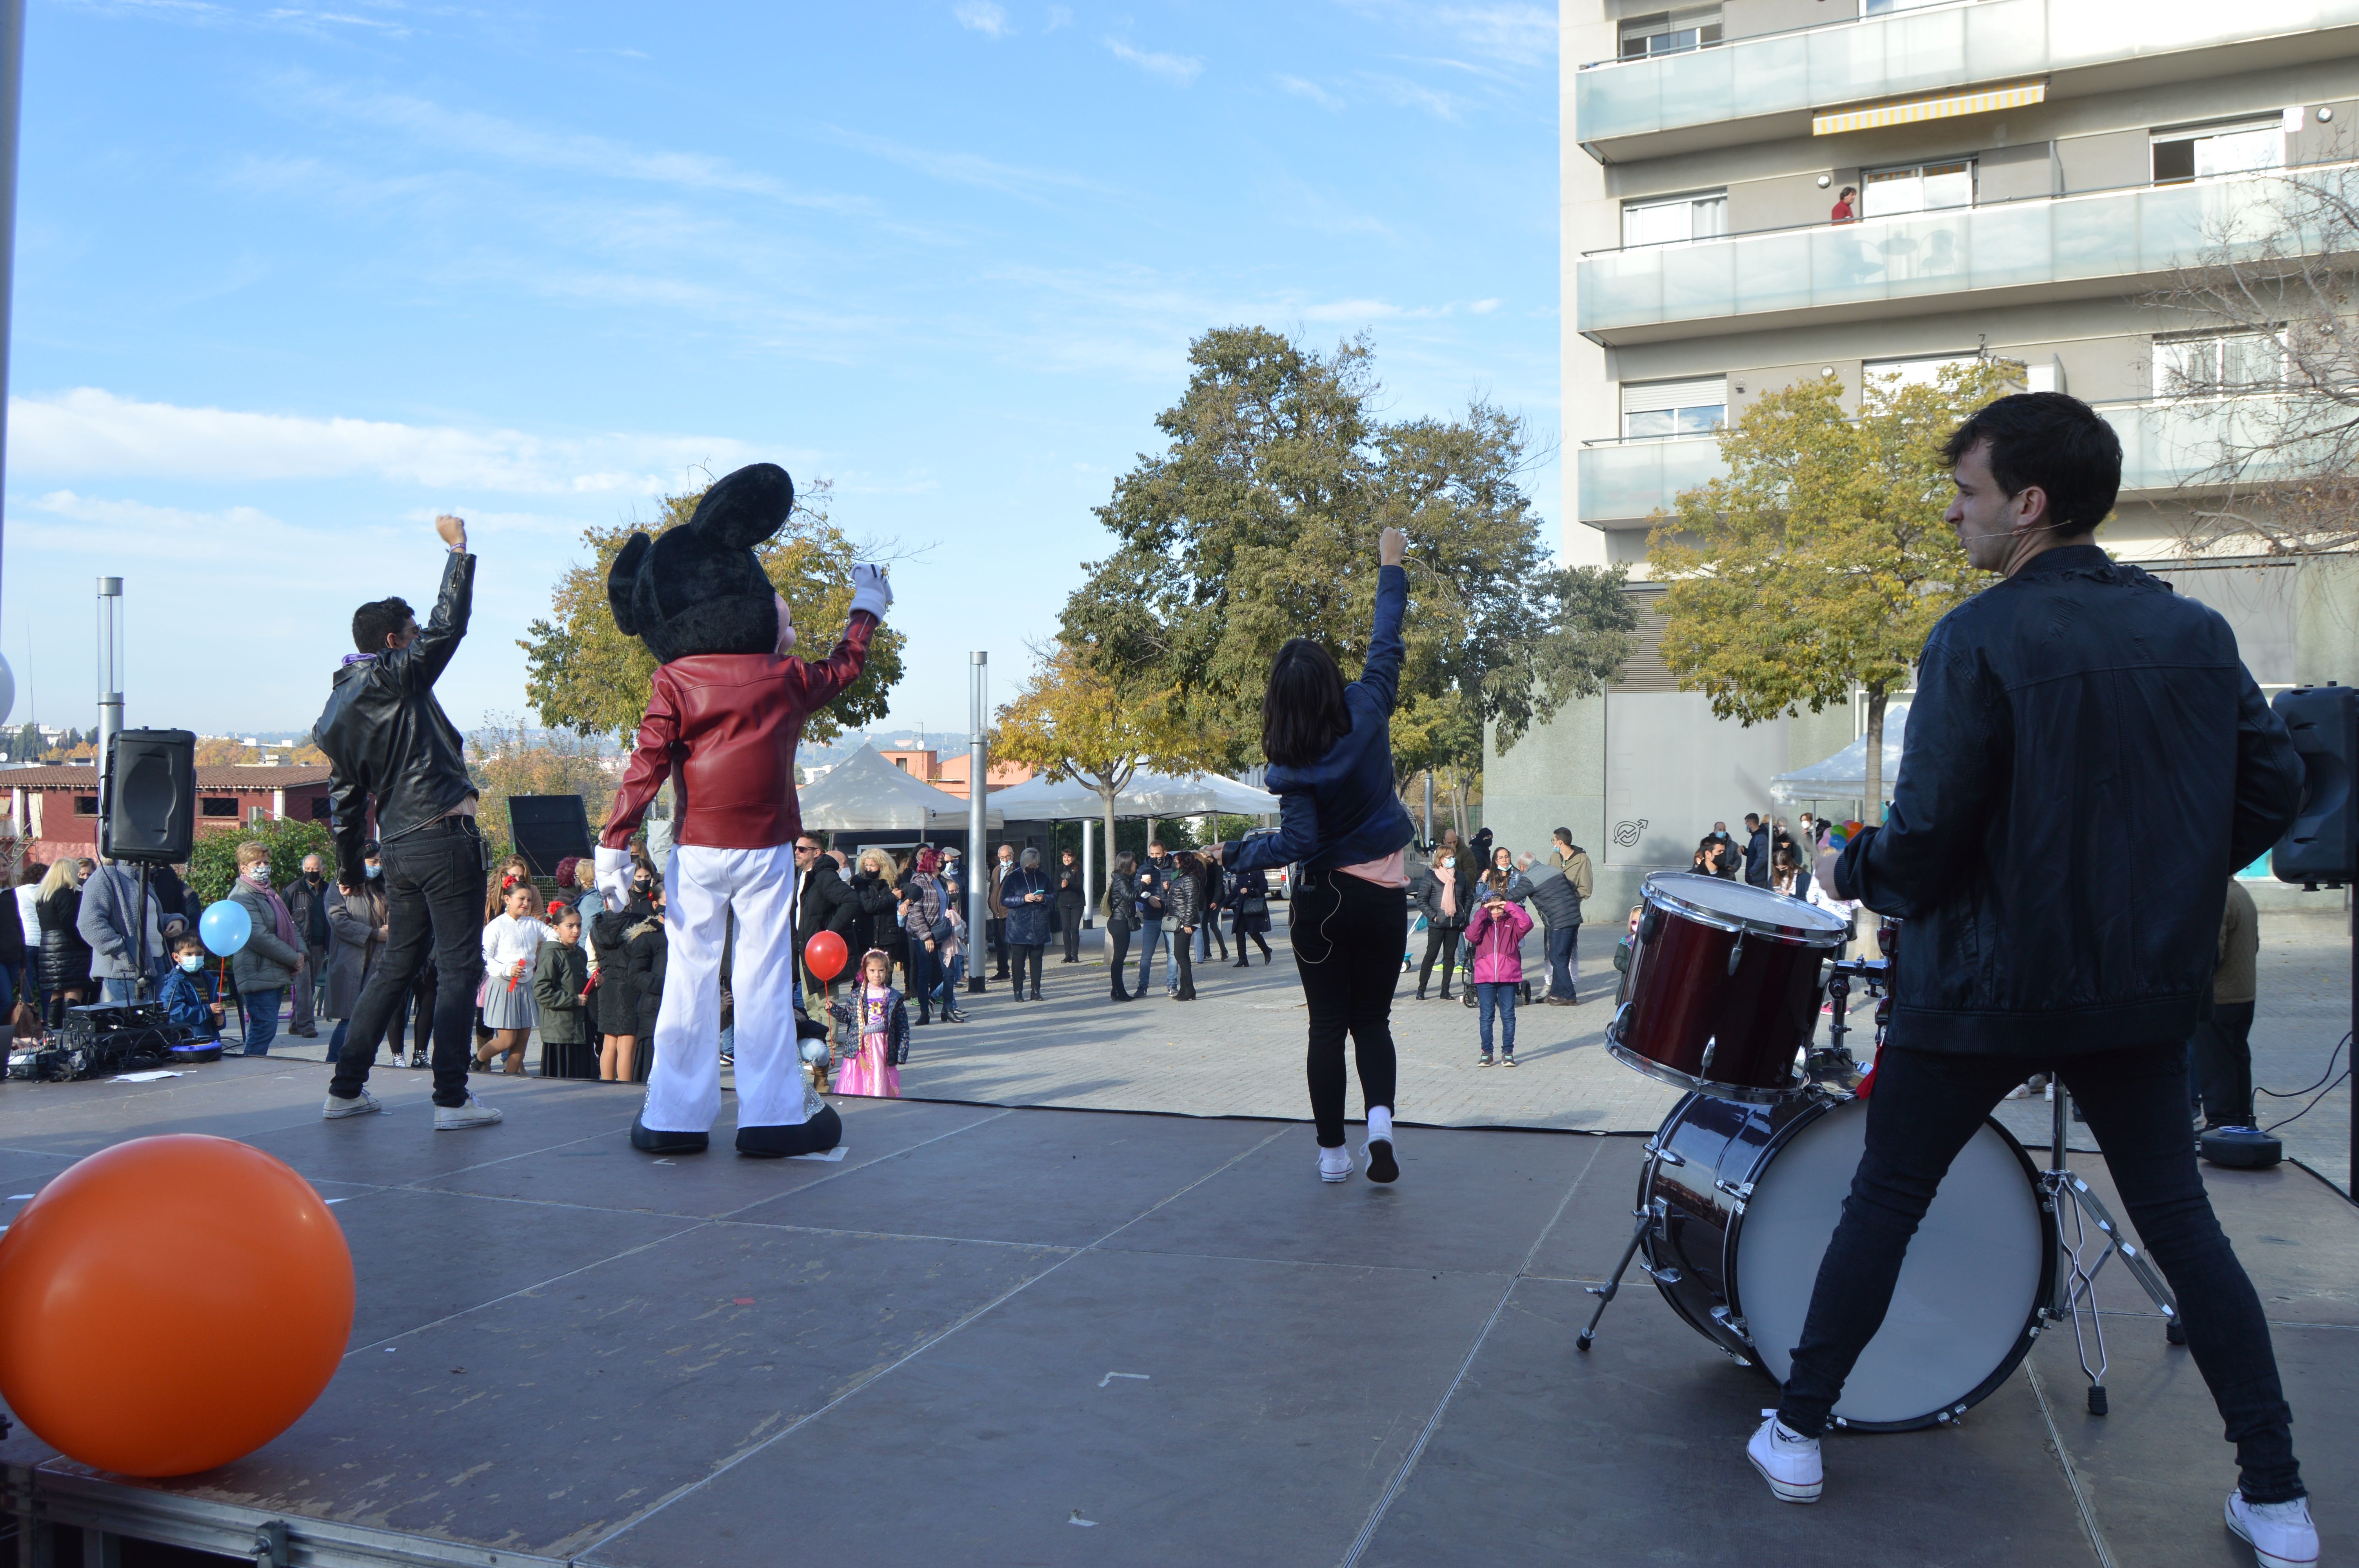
(729, 723)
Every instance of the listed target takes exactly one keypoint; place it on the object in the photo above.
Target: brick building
(53, 811)
(948, 773)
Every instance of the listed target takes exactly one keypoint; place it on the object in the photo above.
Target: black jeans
(1345, 931)
(1026, 954)
(434, 900)
(995, 938)
(1183, 945)
(1926, 1106)
(925, 974)
(1070, 916)
(2221, 1059)
(1119, 937)
(1442, 941)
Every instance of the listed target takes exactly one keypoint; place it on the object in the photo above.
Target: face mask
(311, 877)
(373, 871)
(191, 963)
(260, 873)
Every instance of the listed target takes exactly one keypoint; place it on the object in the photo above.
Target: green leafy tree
(1820, 562)
(583, 676)
(505, 759)
(1257, 525)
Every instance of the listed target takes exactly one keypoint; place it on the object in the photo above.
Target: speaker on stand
(548, 828)
(148, 811)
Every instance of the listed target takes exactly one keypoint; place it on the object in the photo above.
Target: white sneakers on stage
(2280, 1534)
(362, 1104)
(475, 1113)
(1788, 1460)
(1336, 1165)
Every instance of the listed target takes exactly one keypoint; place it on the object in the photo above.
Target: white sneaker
(475, 1113)
(362, 1104)
(1382, 1167)
(2280, 1534)
(1789, 1463)
(1336, 1165)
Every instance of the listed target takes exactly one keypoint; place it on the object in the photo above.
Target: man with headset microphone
(2072, 706)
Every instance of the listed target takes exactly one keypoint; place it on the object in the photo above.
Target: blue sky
(290, 281)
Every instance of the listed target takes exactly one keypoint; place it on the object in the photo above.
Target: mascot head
(700, 589)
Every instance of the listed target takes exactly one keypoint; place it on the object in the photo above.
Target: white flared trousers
(701, 886)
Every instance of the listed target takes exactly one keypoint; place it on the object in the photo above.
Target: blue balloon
(224, 926)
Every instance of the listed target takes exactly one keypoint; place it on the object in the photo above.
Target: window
(2182, 155)
(85, 806)
(1924, 372)
(1670, 32)
(1918, 187)
(1675, 220)
(318, 809)
(1885, 7)
(1674, 408)
(218, 806)
(2223, 364)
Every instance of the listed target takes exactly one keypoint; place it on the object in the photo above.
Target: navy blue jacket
(2067, 721)
(1027, 923)
(1340, 810)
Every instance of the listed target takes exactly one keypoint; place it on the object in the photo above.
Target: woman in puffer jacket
(1495, 936)
(1183, 907)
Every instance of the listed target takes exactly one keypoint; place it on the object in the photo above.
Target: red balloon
(824, 956)
(178, 1230)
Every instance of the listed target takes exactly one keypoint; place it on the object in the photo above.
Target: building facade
(1762, 191)
(53, 811)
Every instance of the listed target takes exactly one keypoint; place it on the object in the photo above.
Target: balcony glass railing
(2094, 237)
(2163, 447)
(1861, 59)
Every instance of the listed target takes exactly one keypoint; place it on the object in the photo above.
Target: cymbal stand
(2061, 1191)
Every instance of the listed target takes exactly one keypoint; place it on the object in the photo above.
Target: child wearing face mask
(187, 995)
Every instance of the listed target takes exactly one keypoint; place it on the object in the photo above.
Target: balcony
(1623, 483)
(1741, 90)
(2047, 248)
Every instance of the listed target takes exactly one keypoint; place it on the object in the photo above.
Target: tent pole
(977, 769)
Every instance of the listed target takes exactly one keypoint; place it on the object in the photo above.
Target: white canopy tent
(1146, 795)
(867, 793)
(1844, 776)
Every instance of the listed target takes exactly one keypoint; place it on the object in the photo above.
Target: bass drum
(1743, 1200)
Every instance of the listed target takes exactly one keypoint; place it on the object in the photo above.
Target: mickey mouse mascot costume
(724, 712)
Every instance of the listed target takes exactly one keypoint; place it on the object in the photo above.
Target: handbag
(24, 1022)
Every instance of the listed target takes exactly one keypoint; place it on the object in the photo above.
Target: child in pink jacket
(1495, 936)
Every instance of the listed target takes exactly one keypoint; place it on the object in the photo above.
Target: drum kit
(1745, 1180)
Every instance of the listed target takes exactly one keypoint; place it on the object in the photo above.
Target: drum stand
(2062, 1192)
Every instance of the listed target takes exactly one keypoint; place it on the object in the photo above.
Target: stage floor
(1040, 1336)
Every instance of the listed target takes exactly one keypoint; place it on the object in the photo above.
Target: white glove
(871, 591)
(612, 871)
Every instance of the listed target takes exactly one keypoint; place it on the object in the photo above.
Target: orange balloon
(824, 955)
(183, 1231)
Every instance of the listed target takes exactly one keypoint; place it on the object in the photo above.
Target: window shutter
(1648, 398)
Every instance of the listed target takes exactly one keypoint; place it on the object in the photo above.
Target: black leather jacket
(2066, 721)
(387, 737)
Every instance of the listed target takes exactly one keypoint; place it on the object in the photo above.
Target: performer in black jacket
(387, 741)
(2078, 703)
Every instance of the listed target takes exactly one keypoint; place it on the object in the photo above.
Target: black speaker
(2323, 845)
(548, 829)
(151, 795)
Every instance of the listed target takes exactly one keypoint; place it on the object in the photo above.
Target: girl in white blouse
(511, 943)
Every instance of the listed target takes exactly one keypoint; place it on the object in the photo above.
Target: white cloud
(1311, 89)
(1413, 95)
(1524, 34)
(92, 431)
(1484, 306)
(1351, 311)
(1182, 69)
(982, 17)
(1059, 16)
(960, 169)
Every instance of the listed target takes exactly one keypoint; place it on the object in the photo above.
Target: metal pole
(1089, 874)
(978, 866)
(1428, 806)
(12, 82)
(110, 689)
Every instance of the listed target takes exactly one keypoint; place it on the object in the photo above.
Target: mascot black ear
(745, 508)
(620, 580)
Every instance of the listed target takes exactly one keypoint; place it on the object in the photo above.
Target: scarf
(279, 915)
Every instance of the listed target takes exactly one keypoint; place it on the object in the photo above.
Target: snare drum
(1722, 989)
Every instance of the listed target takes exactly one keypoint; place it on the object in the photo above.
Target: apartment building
(1761, 191)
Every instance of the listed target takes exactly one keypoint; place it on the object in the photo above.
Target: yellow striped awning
(1917, 109)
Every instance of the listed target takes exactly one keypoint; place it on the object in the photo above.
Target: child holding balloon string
(881, 1018)
(511, 944)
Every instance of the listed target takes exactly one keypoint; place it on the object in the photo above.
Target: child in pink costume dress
(876, 1011)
